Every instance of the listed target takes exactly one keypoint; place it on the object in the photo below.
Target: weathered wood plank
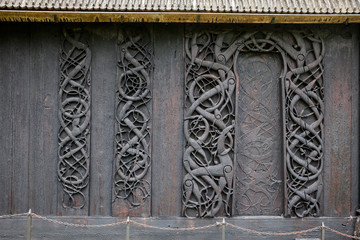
(51, 122)
(6, 137)
(20, 84)
(44, 61)
(168, 90)
(103, 42)
(355, 121)
(338, 119)
(258, 172)
(16, 228)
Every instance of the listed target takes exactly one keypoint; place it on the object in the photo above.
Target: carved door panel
(259, 173)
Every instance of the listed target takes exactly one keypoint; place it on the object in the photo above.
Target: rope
(13, 215)
(274, 233)
(180, 229)
(78, 225)
(176, 229)
(340, 233)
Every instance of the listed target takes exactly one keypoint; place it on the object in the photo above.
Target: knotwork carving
(209, 119)
(209, 129)
(304, 125)
(132, 160)
(74, 116)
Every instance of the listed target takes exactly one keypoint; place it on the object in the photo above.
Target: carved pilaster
(74, 117)
(133, 120)
(209, 129)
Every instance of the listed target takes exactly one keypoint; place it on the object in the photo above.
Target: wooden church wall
(36, 59)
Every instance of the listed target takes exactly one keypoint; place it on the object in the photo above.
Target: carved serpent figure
(74, 117)
(209, 119)
(209, 125)
(132, 161)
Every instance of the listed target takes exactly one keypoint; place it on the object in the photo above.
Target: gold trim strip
(174, 17)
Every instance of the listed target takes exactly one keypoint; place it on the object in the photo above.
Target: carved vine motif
(209, 118)
(74, 116)
(132, 160)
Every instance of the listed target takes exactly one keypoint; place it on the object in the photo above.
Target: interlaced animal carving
(211, 78)
(132, 160)
(74, 117)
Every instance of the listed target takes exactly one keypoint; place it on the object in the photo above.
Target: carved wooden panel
(304, 109)
(209, 129)
(211, 73)
(259, 172)
(74, 117)
(132, 178)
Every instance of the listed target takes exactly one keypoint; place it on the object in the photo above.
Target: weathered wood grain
(6, 136)
(20, 116)
(355, 166)
(167, 138)
(103, 43)
(337, 123)
(44, 52)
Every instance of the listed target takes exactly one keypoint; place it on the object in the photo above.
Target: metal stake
(223, 229)
(29, 225)
(128, 228)
(322, 231)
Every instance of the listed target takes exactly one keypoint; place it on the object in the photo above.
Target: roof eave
(174, 17)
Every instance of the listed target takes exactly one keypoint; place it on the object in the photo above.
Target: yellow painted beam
(174, 17)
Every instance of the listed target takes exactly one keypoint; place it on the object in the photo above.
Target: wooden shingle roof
(233, 6)
(205, 11)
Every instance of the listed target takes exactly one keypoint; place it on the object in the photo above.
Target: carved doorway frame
(209, 181)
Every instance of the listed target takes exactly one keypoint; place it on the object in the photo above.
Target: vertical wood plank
(355, 120)
(103, 42)
(20, 80)
(44, 61)
(168, 90)
(6, 137)
(337, 123)
(51, 121)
